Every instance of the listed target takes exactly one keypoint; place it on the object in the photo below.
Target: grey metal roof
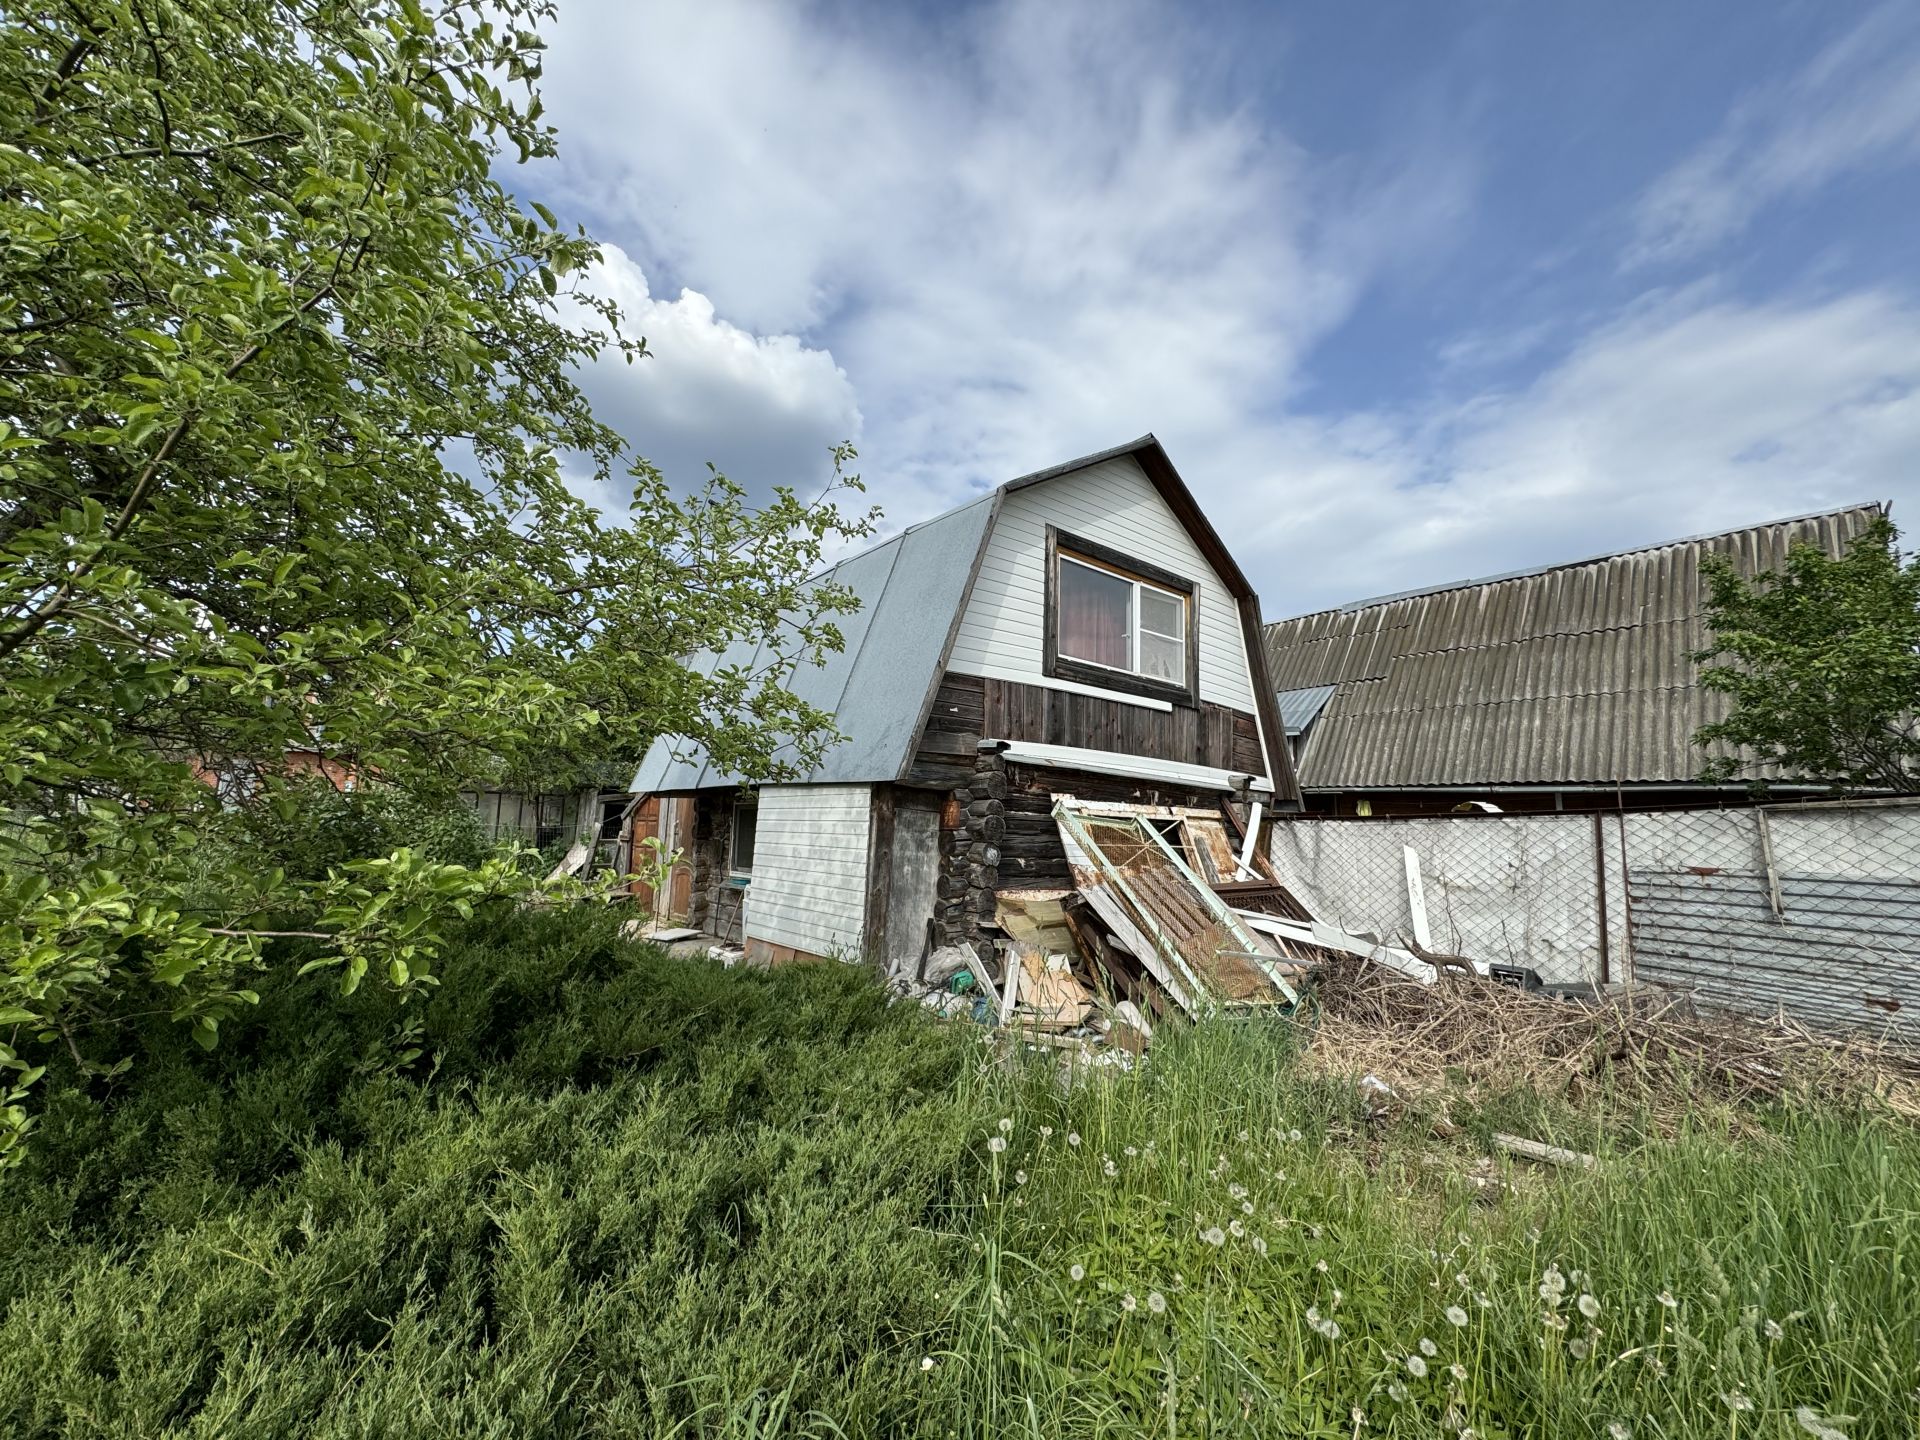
(1576, 673)
(1300, 708)
(909, 588)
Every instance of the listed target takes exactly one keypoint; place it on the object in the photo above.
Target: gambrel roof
(913, 589)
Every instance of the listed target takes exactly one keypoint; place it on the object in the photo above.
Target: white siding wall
(809, 887)
(1003, 633)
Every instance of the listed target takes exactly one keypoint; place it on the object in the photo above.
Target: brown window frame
(1105, 677)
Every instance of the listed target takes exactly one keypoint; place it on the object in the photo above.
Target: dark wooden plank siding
(966, 708)
(1031, 855)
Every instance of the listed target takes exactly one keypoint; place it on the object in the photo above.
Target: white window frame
(1135, 624)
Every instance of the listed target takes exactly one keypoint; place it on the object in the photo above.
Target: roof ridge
(1353, 606)
(1065, 467)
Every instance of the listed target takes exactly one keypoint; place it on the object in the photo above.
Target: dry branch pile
(1651, 1051)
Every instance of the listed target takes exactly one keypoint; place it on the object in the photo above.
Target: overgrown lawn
(589, 1191)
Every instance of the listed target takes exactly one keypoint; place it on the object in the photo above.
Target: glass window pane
(746, 821)
(1094, 610)
(1163, 659)
(1162, 614)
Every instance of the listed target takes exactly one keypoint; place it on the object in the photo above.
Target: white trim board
(1131, 767)
(1072, 687)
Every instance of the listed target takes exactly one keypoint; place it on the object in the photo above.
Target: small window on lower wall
(746, 820)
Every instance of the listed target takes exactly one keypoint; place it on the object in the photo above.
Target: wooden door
(644, 826)
(677, 820)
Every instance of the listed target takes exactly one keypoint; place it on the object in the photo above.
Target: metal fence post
(1600, 896)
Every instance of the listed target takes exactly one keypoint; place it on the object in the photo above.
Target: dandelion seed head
(1578, 1349)
(997, 1144)
(1073, 1138)
(1019, 1177)
(1237, 1191)
(1589, 1307)
(1321, 1266)
(1456, 1316)
(1396, 1392)
(1129, 1304)
(1736, 1401)
(1619, 1430)
(1130, 1152)
(1259, 1246)
(1358, 1416)
(1214, 1235)
(1006, 1125)
(1156, 1302)
(1236, 1229)
(926, 1363)
(1817, 1425)
(1046, 1132)
(1110, 1169)
(1428, 1348)
(1416, 1367)
(1246, 1207)
(1076, 1272)
(1665, 1297)
(1295, 1137)
(1458, 1371)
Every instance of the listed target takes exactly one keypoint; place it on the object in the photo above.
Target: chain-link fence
(1814, 908)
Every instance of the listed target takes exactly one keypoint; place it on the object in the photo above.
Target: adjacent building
(1568, 687)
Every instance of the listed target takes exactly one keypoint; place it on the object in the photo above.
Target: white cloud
(1688, 415)
(1032, 231)
(1028, 230)
(763, 408)
(1855, 105)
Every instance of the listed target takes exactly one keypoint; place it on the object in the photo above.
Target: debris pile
(1154, 927)
(1645, 1047)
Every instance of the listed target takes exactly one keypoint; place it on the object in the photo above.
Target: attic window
(1116, 622)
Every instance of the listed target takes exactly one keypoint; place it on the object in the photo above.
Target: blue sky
(1411, 292)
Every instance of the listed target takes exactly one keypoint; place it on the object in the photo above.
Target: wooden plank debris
(1545, 1154)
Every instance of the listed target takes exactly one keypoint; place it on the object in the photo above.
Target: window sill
(1124, 682)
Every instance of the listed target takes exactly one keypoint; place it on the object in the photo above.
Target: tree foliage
(287, 419)
(1822, 661)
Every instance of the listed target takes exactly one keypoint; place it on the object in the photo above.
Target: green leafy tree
(1822, 661)
(287, 411)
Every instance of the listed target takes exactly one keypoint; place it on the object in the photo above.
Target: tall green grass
(588, 1191)
(1219, 1244)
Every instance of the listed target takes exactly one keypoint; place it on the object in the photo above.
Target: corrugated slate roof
(909, 588)
(1573, 674)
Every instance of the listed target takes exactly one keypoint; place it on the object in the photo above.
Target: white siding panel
(809, 885)
(1003, 632)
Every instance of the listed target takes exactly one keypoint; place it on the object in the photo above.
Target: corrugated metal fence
(1810, 907)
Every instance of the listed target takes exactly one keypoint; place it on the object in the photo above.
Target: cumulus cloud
(763, 408)
(1855, 105)
(1030, 231)
(1027, 231)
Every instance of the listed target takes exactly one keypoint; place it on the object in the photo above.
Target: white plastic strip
(1132, 767)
